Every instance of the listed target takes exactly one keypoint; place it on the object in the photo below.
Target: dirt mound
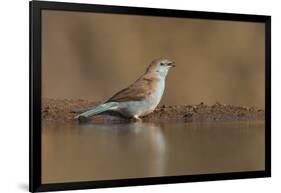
(65, 110)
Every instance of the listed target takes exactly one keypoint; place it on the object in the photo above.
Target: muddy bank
(64, 110)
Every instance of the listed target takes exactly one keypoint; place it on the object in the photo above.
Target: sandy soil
(65, 110)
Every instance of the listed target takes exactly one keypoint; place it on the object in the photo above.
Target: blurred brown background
(92, 56)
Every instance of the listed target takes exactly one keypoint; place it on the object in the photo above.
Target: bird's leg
(136, 118)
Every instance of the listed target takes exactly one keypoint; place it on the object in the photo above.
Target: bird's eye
(162, 64)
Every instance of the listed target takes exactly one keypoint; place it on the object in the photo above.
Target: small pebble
(188, 114)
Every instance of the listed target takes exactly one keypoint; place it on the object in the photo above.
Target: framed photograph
(125, 96)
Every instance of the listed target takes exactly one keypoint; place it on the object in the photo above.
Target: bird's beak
(172, 64)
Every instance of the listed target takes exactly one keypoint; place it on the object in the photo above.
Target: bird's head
(160, 67)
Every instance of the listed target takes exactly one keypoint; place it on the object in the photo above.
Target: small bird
(141, 97)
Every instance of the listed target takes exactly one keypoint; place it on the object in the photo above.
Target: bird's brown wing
(139, 90)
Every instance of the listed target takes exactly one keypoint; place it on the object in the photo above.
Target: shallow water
(73, 152)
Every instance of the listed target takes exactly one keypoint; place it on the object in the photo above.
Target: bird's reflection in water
(145, 140)
(83, 152)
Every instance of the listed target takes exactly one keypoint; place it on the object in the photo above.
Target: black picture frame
(36, 7)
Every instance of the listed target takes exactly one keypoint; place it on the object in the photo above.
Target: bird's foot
(136, 119)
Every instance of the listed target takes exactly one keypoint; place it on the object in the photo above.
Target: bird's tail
(99, 109)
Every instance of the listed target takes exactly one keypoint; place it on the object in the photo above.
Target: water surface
(73, 152)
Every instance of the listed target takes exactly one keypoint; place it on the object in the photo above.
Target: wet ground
(173, 140)
(64, 110)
